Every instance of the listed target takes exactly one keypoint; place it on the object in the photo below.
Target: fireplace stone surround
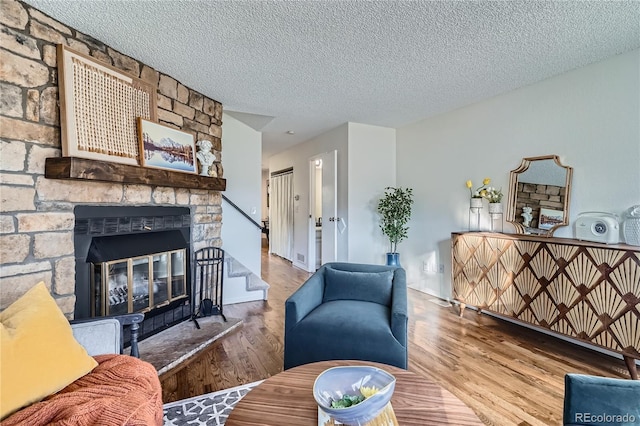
(36, 213)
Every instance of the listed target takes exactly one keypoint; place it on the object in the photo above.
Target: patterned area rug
(211, 409)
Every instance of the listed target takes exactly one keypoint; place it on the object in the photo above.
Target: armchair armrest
(103, 335)
(305, 299)
(399, 314)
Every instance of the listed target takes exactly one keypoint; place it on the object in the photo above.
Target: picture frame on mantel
(99, 107)
(163, 147)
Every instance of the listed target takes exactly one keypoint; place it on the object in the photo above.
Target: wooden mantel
(85, 169)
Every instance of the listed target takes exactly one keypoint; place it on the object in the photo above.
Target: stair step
(256, 283)
(235, 269)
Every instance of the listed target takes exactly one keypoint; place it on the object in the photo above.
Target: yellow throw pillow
(38, 354)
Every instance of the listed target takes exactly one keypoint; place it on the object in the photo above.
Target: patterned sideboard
(587, 291)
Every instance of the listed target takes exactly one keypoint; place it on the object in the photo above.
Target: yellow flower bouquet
(481, 190)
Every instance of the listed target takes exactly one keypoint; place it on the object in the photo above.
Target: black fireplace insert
(134, 259)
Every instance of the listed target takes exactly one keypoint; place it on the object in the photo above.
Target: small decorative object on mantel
(163, 147)
(475, 205)
(205, 157)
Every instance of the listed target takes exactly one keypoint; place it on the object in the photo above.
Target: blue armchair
(600, 401)
(348, 311)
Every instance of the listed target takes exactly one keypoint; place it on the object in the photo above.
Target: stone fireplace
(37, 214)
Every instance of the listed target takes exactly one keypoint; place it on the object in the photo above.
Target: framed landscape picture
(550, 218)
(163, 147)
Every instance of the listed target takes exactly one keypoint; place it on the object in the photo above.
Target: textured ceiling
(309, 66)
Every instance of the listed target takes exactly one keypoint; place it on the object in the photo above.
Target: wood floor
(508, 374)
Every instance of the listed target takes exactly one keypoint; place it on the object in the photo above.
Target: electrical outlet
(425, 266)
(441, 268)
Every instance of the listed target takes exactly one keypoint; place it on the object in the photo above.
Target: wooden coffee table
(287, 399)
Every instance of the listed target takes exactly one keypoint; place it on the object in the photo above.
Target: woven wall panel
(590, 293)
(99, 108)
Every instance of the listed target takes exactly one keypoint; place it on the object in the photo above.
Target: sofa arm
(399, 310)
(305, 299)
(103, 335)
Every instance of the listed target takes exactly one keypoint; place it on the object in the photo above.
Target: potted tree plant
(395, 211)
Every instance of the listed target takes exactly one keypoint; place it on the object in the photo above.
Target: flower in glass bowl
(493, 195)
(479, 192)
(373, 383)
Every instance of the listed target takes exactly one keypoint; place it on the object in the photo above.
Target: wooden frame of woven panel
(99, 107)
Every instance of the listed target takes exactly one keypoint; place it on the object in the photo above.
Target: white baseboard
(300, 265)
(248, 297)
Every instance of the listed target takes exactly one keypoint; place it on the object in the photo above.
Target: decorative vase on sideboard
(495, 214)
(475, 207)
(631, 226)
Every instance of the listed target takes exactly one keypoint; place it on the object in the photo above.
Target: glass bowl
(334, 383)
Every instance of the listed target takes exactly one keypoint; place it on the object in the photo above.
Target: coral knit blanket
(121, 390)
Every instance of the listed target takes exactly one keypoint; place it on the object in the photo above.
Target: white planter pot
(476, 203)
(495, 207)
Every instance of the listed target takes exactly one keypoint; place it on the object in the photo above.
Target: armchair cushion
(350, 285)
(357, 330)
(39, 355)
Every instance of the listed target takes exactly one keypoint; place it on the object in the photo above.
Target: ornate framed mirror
(539, 192)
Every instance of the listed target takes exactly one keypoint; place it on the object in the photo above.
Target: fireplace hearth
(134, 259)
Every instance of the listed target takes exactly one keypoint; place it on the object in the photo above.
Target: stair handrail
(249, 218)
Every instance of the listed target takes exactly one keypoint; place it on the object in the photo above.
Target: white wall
(590, 117)
(242, 170)
(372, 151)
(298, 158)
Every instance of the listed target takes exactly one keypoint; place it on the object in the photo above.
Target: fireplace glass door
(138, 284)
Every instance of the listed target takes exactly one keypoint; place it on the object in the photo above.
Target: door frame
(311, 224)
(326, 222)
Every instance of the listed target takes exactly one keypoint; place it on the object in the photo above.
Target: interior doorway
(323, 220)
(281, 213)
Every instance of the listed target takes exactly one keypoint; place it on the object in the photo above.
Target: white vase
(476, 203)
(495, 216)
(495, 208)
(475, 207)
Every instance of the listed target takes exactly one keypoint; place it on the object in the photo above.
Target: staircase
(240, 284)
